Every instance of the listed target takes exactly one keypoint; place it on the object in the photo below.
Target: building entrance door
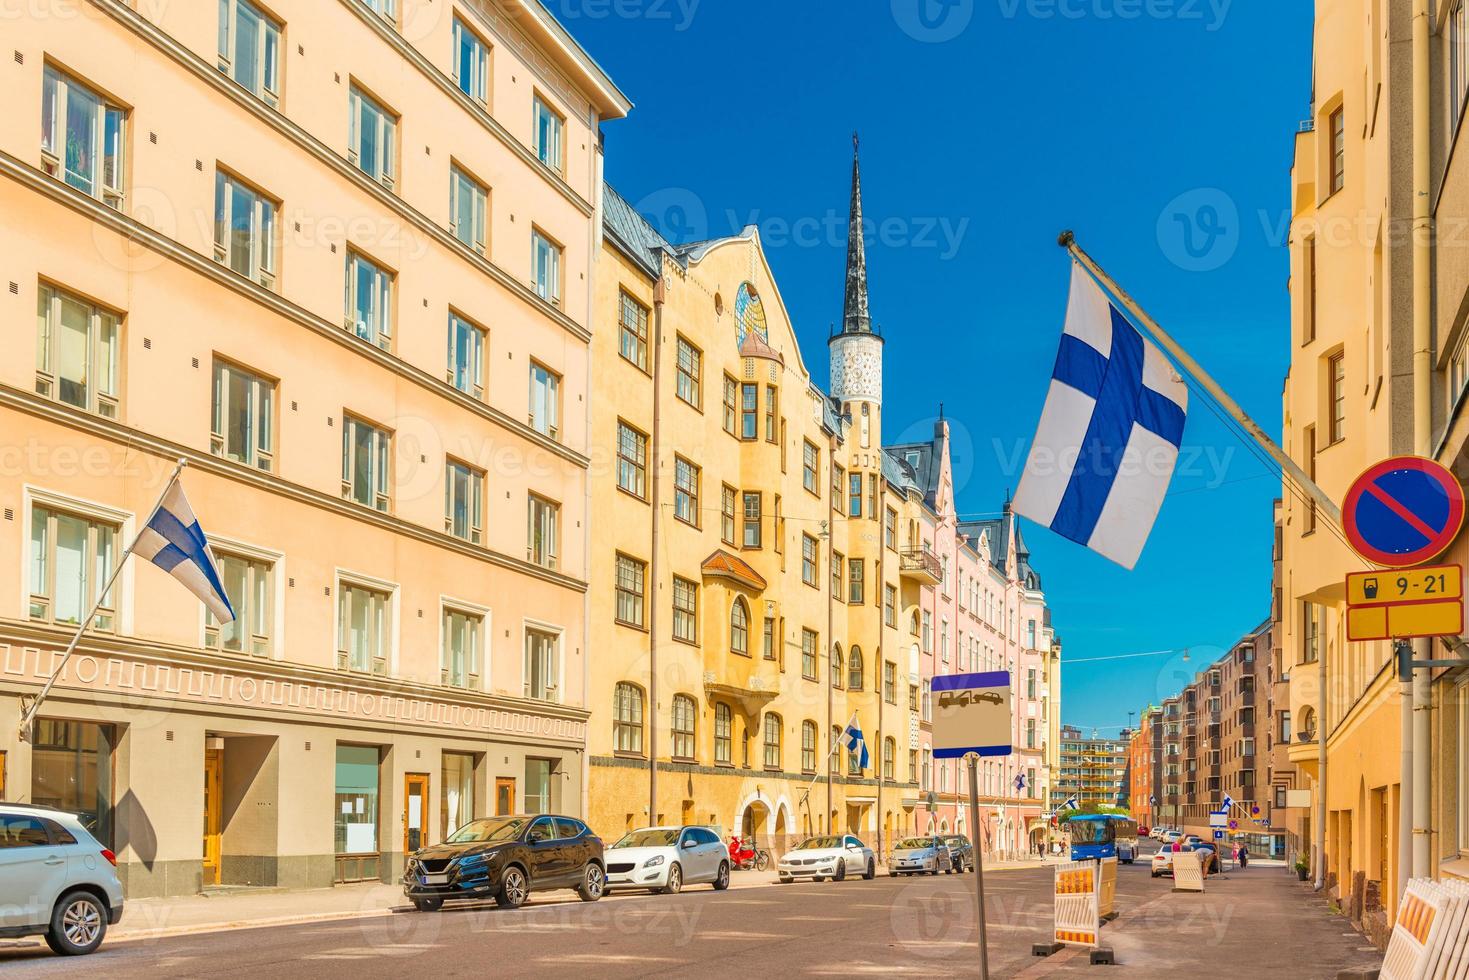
(213, 781)
(415, 811)
(504, 796)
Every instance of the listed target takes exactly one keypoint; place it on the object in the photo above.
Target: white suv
(55, 879)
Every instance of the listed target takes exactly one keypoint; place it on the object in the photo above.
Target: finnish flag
(1109, 434)
(854, 743)
(1069, 803)
(173, 540)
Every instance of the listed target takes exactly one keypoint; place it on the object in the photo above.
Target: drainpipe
(654, 565)
(1322, 726)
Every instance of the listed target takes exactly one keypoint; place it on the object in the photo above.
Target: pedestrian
(1244, 856)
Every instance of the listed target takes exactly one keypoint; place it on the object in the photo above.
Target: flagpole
(28, 714)
(1183, 360)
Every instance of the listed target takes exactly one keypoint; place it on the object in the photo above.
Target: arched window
(739, 628)
(1308, 724)
(685, 713)
(627, 718)
(889, 754)
(913, 624)
(854, 669)
(836, 666)
(723, 735)
(831, 748)
(772, 740)
(808, 746)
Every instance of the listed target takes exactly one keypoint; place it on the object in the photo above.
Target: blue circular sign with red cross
(1404, 511)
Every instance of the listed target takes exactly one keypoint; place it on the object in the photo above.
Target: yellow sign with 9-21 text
(1403, 604)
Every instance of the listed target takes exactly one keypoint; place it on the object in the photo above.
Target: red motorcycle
(744, 855)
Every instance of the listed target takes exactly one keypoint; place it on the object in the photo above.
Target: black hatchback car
(507, 858)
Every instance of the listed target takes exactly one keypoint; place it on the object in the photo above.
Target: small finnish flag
(1019, 781)
(173, 540)
(1109, 434)
(1069, 803)
(854, 743)
(1228, 802)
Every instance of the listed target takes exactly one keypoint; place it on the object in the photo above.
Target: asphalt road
(1257, 922)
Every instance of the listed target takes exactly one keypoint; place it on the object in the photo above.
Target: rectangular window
(728, 499)
(685, 610)
(468, 207)
(538, 786)
(630, 585)
(464, 496)
(632, 460)
(459, 660)
(1309, 438)
(366, 454)
(1338, 130)
(364, 628)
(546, 267)
(72, 557)
(372, 137)
(731, 405)
(1337, 372)
(545, 401)
(723, 735)
(77, 352)
(242, 426)
(1308, 260)
(856, 581)
(466, 356)
(386, 9)
(73, 772)
(471, 62)
(542, 665)
(369, 301)
(889, 605)
(457, 804)
(1030, 684)
(854, 495)
(808, 654)
(83, 137)
(810, 468)
(1310, 632)
(749, 412)
(543, 532)
(890, 530)
(688, 384)
(838, 481)
(890, 682)
(247, 582)
(250, 49)
(632, 331)
(772, 414)
(767, 639)
(808, 747)
(244, 230)
(550, 126)
(686, 491)
(872, 497)
(809, 569)
(752, 522)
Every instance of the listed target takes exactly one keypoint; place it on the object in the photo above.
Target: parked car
(818, 858)
(56, 880)
(1144, 830)
(920, 855)
(1162, 863)
(664, 859)
(1192, 841)
(1172, 835)
(961, 852)
(507, 858)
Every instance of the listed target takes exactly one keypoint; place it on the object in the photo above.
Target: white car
(818, 858)
(920, 855)
(55, 879)
(664, 859)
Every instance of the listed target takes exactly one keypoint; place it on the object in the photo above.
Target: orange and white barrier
(1431, 937)
(1107, 888)
(1078, 886)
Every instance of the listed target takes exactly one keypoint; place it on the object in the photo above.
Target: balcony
(920, 565)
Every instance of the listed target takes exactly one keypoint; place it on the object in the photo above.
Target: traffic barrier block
(1107, 891)
(1078, 885)
(1188, 872)
(1431, 934)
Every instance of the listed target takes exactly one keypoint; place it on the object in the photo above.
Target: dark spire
(855, 315)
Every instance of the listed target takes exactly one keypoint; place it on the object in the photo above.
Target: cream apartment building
(336, 255)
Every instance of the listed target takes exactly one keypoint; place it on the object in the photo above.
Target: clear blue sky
(1164, 140)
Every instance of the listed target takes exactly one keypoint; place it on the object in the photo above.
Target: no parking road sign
(1404, 511)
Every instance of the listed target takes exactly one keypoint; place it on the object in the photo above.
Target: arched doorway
(755, 821)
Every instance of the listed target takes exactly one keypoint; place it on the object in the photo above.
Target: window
(249, 49)
(627, 718)
(537, 786)
(749, 411)
(550, 126)
(854, 495)
(752, 520)
(546, 267)
(808, 746)
(1338, 150)
(1337, 373)
(372, 137)
(731, 404)
(685, 714)
(1310, 632)
(632, 459)
(471, 62)
(767, 639)
(542, 546)
(890, 682)
(631, 578)
(247, 582)
(244, 230)
(369, 301)
(464, 496)
(856, 582)
(810, 463)
(1284, 730)
(1308, 437)
(545, 401)
(83, 136)
(364, 627)
(365, 459)
(688, 384)
(889, 755)
(890, 530)
(837, 482)
(542, 665)
(772, 740)
(243, 418)
(926, 700)
(632, 331)
(386, 9)
(466, 356)
(808, 654)
(685, 491)
(72, 557)
(77, 352)
(459, 660)
(838, 679)
(772, 414)
(927, 631)
(854, 763)
(723, 735)
(468, 205)
(457, 804)
(1308, 259)
(1030, 681)
(739, 628)
(1030, 733)
(808, 560)
(685, 610)
(838, 571)
(855, 669)
(890, 605)
(727, 501)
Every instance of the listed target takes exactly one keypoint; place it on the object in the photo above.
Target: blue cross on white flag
(1069, 803)
(173, 540)
(1109, 434)
(854, 743)
(1019, 781)
(1228, 802)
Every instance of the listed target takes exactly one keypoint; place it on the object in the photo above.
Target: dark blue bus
(1102, 835)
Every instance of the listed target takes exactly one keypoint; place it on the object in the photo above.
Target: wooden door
(415, 811)
(504, 796)
(213, 780)
(2, 775)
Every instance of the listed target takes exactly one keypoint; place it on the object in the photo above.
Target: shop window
(71, 770)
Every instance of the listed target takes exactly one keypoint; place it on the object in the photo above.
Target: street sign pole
(984, 946)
